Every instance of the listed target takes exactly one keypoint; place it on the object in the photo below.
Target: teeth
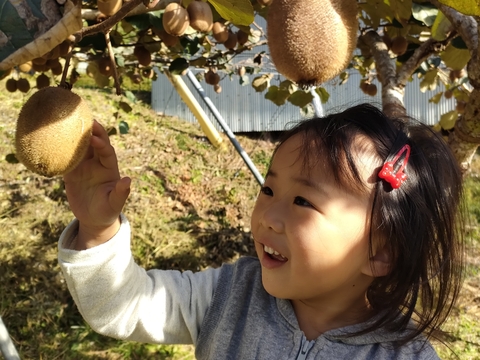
(269, 250)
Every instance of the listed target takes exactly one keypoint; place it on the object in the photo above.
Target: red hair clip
(387, 173)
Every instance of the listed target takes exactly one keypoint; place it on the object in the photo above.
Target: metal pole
(7, 349)
(317, 104)
(225, 127)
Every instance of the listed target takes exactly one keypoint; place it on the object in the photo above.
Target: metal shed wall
(245, 110)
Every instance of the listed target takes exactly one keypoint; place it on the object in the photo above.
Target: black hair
(420, 223)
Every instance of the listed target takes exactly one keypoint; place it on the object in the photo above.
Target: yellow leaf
(440, 27)
(401, 8)
(467, 7)
(448, 120)
(436, 99)
(429, 80)
(455, 58)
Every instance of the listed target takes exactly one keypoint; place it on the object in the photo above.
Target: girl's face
(311, 236)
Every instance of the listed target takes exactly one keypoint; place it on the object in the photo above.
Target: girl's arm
(114, 295)
(118, 298)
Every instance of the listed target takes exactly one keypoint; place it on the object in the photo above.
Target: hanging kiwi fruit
(42, 81)
(312, 41)
(232, 40)
(53, 131)
(109, 7)
(220, 32)
(200, 15)
(175, 19)
(143, 55)
(23, 85)
(399, 45)
(11, 85)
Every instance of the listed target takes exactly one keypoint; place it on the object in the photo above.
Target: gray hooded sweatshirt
(224, 312)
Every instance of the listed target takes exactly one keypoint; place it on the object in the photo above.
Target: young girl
(356, 231)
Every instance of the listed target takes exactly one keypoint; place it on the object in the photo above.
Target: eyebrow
(302, 180)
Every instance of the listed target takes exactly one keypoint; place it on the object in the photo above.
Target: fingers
(103, 150)
(120, 193)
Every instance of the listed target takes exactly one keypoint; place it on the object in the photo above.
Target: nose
(272, 216)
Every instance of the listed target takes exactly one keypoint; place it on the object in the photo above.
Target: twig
(63, 81)
(114, 63)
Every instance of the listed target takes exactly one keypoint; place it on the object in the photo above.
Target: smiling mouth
(274, 254)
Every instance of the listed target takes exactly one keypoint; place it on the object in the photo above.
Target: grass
(189, 209)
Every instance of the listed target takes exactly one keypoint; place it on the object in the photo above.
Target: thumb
(120, 193)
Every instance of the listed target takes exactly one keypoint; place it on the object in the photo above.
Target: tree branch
(385, 65)
(422, 53)
(92, 14)
(465, 25)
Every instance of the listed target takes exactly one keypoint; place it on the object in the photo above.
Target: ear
(379, 264)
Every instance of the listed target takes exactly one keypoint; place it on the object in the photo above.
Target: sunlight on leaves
(467, 7)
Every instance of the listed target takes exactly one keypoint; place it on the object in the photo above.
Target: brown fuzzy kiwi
(109, 7)
(65, 47)
(143, 55)
(39, 61)
(167, 39)
(312, 41)
(399, 45)
(53, 131)
(11, 85)
(26, 67)
(448, 94)
(105, 66)
(42, 81)
(220, 32)
(232, 40)
(364, 86)
(371, 89)
(39, 67)
(57, 69)
(211, 77)
(242, 37)
(217, 88)
(200, 15)
(23, 85)
(175, 19)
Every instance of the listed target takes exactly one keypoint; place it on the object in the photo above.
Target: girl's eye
(301, 201)
(266, 191)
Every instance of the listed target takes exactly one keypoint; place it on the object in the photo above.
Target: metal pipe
(7, 349)
(225, 127)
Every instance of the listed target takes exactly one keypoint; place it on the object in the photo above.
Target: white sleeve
(122, 300)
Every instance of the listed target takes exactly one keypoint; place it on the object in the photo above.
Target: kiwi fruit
(399, 45)
(220, 32)
(39, 61)
(364, 86)
(217, 88)
(42, 81)
(211, 77)
(109, 7)
(371, 89)
(53, 131)
(65, 47)
(26, 67)
(200, 15)
(460, 107)
(448, 94)
(168, 40)
(231, 41)
(143, 55)
(105, 66)
(312, 41)
(175, 19)
(11, 85)
(39, 67)
(23, 85)
(456, 74)
(242, 37)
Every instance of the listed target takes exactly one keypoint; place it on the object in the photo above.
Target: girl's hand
(96, 193)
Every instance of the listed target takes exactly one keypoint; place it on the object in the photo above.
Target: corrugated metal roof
(246, 110)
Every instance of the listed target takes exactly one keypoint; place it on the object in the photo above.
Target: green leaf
(401, 8)
(11, 159)
(239, 12)
(455, 58)
(141, 22)
(123, 127)
(129, 95)
(260, 83)
(178, 66)
(436, 99)
(323, 94)
(424, 13)
(429, 80)
(448, 120)
(125, 107)
(244, 80)
(467, 7)
(440, 27)
(289, 86)
(300, 98)
(277, 96)
(120, 60)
